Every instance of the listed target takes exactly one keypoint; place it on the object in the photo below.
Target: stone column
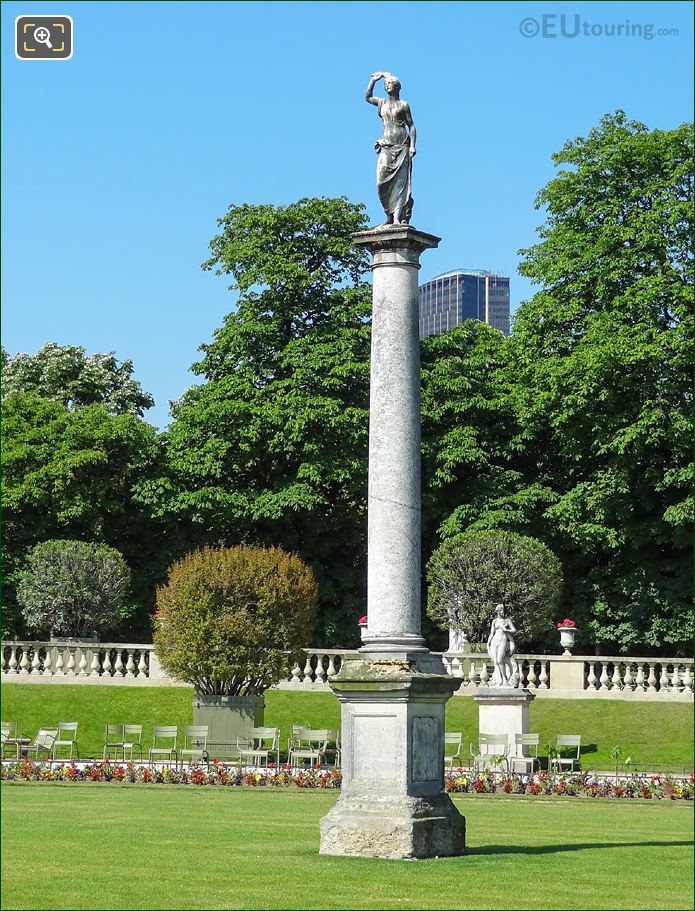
(393, 802)
(393, 562)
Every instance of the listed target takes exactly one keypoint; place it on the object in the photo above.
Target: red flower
(565, 623)
(363, 620)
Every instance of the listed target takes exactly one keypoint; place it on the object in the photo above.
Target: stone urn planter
(567, 634)
(362, 623)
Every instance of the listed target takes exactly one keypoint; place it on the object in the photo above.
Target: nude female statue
(396, 149)
(501, 648)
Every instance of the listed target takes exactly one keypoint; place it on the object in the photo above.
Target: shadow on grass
(561, 849)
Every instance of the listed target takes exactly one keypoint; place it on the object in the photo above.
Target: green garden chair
(195, 744)
(10, 743)
(259, 746)
(490, 745)
(163, 734)
(113, 740)
(334, 737)
(43, 742)
(309, 746)
(569, 748)
(454, 741)
(66, 739)
(528, 763)
(132, 740)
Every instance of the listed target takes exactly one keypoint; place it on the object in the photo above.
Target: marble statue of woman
(396, 149)
(501, 648)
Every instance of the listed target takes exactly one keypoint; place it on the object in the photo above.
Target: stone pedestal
(393, 802)
(503, 710)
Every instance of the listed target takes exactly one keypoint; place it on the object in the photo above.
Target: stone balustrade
(475, 670)
(75, 662)
(638, 675)
(552, 676)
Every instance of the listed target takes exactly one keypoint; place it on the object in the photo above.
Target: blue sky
(117, 163)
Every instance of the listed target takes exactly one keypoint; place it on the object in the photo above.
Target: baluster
(616, 681)
(592, 680)
(107, 663)
(142, 664)
(12, 666)
(543, 679)
(71, 662)
(639, 679)
(24, 663)
(60, 672)
(676, 678)
(663, 677)
(94, 672)
(687, 680)
(130, 664)
(604, 678)
(472, 674)
(36, 662)
(484, 676)
(296, 674)
(456, 668)
(47, 672)
(523, 673)
(447, 665)
(308, 671)
(83, 663)
(331, 667)
(532, 676)
(320, 668)
(627, 679)
(651, 679)
(118, 666)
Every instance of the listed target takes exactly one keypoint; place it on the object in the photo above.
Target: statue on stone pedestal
(501, 647)
(396, 149)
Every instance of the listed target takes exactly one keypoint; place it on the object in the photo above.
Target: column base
(405, 828)
(393, 803)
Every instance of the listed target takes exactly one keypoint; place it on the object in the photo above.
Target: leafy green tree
(67, 374)
(271, 448)
(232, 620)
(601, 364)
(472, 572)
(71, 474)
(73, 588)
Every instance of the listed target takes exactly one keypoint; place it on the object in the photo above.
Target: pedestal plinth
(503, 710)
(392, 803)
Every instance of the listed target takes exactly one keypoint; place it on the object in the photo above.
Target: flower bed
(215, 774)
(652, 787)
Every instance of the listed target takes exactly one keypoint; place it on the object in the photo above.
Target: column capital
(392, 238)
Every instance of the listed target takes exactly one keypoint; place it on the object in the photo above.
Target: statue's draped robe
(394, 168)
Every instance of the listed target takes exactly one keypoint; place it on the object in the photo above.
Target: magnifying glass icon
(43, 36)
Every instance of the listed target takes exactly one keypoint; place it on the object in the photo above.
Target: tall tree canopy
(600, 360)
(71, 474)
(67, 374)
(271, 447)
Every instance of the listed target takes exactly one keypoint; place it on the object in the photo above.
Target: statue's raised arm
(368, 97)
(396, 149)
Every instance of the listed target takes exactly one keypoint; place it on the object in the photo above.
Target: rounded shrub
(73, 588)
(230, 620)
(472, 572)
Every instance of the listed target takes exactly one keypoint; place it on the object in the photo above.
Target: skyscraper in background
(449, 299)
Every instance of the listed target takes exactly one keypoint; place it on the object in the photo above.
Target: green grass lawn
(110, 846)
(654, 734)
